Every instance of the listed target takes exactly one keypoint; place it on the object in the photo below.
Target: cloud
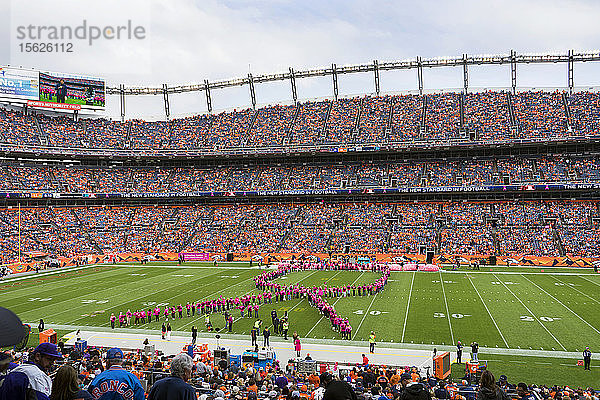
(196, 40)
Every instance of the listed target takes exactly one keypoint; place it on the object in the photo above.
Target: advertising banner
(19, 83)
(196, 256)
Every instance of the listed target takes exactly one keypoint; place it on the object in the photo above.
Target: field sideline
(512, 308)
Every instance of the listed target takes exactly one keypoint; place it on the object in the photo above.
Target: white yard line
(218, 291)
(46, 273)
(364, 316)
(562, 304)
(446, 302)
(532, 314)
(120, 295)
(517, 273)
(577, 290)
(322, 316)
(407, 306)
(488, 311)
(589, 280)
(69, 281)
(238, 318)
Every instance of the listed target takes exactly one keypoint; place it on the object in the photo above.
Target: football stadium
(391, 245)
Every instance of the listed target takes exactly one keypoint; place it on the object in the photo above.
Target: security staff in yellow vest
(372, 342)
(286, 326)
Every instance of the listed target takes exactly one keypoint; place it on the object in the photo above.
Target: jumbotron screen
(52, 90)
(69, 89)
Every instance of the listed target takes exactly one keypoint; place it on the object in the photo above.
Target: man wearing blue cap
(31, 380)
(115, 383)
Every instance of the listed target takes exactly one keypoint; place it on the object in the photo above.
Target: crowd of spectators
(71, 373)
(540, 114)
(373, 122)
(486, 113)
(407, 112)
(442, 116)
(310, 122)
(541, 228)
(366, 119)
(458, 172)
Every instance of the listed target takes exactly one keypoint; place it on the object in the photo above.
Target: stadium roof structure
(417, 63)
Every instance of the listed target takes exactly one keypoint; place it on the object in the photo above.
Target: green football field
(525, 309)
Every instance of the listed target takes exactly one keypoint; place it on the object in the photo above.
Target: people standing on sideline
(112, 320)
(253, 335)
(286, 326)
(163, 330)
(587, 359)
(297, 346)
(474, 351)
(459, 349)
(266, 335)
(194, 334)
(372, 342)
(273, 316)
(169, 331)
(41, 325)
(175, 386)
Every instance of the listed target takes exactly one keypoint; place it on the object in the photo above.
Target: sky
(188, 41)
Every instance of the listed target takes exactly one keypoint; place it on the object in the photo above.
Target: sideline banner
(438, 260)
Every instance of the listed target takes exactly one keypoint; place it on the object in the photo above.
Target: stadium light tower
(335, 81)
(122, 98)
(207, 91)
(513, 71)
(420, 74)
(293, 83)
(570, 80)
(252, 93)
(166, 101)
(376, 73)
(465, 74)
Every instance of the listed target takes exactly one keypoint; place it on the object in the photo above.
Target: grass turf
(506, 308)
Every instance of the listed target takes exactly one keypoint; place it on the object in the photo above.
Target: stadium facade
(503, 176)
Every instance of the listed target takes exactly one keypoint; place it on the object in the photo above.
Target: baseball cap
(114, 353)
(48, 349)
(405, 377)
